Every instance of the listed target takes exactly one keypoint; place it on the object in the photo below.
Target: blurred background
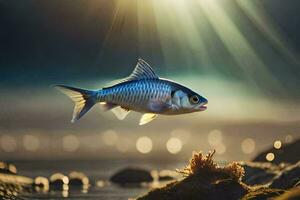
(243, 56)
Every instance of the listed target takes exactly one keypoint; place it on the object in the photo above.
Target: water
(97, 171)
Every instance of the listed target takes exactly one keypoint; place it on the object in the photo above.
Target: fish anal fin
(107, 106)
(120, 112)
(126, 109)
(147, 117)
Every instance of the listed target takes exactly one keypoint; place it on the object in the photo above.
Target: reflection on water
(92, 182)
(231, 142)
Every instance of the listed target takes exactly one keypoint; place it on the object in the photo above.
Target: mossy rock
(288, 178)
(288, 153)
(259, 173)
(201, 186)
(262, 193)
(293, 194)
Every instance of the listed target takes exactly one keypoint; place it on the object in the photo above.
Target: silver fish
(143, 91)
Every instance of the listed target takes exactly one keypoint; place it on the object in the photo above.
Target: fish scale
(136, 93)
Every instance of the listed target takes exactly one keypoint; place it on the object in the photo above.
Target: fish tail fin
(83, 99)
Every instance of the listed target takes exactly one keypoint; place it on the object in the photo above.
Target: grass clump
(203, 164)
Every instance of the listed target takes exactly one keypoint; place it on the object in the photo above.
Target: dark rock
(262, 193)
(257, 173)
(131, 175)
(204, 186)
(41, 184)
(12, 186)
(289, 153)
(288, 178)
(10, 191)
(78, 179)
(165, 178)
(167, 175)
(293, 194)
(7, 168)
(58, 181)
(205, 180)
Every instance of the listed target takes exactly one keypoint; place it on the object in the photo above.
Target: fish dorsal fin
(141, 71)
(147, 117)
(120, 112)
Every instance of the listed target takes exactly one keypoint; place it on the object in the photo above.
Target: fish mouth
(203, 107)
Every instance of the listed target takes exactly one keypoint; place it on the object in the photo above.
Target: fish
(142, 91)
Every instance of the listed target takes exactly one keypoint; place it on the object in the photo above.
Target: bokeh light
(270, 157)
(248, 146)
(277, 144)
(214, 137)
(110, 137)
(182, 134)
(8, 143)
(70, 143)
(144, 144)
(220, 148)
(31, 143)
(174, 145)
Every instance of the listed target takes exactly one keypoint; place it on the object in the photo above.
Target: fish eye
(194, 99)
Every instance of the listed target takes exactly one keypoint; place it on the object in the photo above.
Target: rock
(131, 175)
(204, 179)
(78, 179)
(58, 181)
(11, 186)
(167, 175)
(293, 194)
(199, 187)
(297, 184)
(288, 178)
(262, 193)
(41, 184)
(289, 153)
(10, 191)
(257, 173)
(7, 168)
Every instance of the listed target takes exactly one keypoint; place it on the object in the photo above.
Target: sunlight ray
(190, 33)
(237, 45)
(257, 15)
(164, 26)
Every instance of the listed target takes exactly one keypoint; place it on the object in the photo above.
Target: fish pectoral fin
(120, 112)
(107, 106)
(147, 117)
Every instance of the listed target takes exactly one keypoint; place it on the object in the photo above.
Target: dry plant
(200, 163)
(234, 170)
